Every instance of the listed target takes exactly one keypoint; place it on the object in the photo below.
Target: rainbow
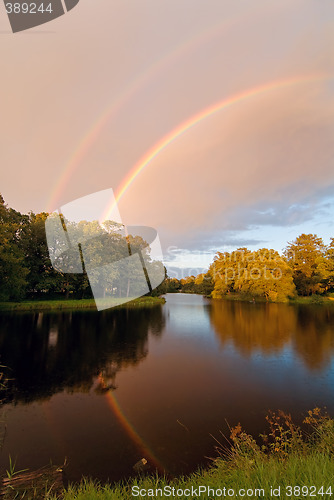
(145, 451)
(129, 91)
(196, 119)
(147, 159)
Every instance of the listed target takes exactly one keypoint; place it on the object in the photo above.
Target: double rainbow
(146, 160)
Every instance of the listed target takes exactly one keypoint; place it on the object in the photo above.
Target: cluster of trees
(261, 273)
(25, 266)
(306, 267)
(26, 269)
(201, 284)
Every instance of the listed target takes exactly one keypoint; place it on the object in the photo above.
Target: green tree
(326, 267)
(173, 285)
(304, 255)
(12, 266)
(188, 284)
(204, 284)
(162, 288)
(42, 278)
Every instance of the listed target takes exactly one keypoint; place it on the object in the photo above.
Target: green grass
(314, 299)
(71, 304)
(287, 459)
(313, 470)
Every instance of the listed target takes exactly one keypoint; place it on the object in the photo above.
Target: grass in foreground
(287, 465)
(259, 476)
(71, 304)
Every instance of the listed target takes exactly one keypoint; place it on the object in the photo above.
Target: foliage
(284, 436)
(204, 284)
(12, 267)
(325, 264)
(262, 273)
(173, 285)
(201, 284)
(26, 270)
(12, 471)
(322, 427)
(306, 267)
(305, 255)
(188, 284)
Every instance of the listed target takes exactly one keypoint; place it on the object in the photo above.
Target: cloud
(264, 162)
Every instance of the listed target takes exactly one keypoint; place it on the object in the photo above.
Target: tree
(326, 267)
(163, 287)
(262, 273)
(204, 284)
(188, 284)
(42, 278)
(12, 267)
(268, 275)
(173, 285)
(227, 271)
(304, 255)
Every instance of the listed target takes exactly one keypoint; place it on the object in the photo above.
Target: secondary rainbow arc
(196, 119)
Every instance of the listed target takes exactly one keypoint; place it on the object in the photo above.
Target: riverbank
(71, 304)
(313, 299)
(314, 472)
(288, 464)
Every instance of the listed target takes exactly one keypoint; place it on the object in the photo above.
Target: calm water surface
(105, 389)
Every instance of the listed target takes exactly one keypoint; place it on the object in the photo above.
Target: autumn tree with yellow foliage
(261, 273)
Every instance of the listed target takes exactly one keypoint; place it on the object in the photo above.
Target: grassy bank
(259, 477)
(61, 305)
(312, 299)
(289, 463)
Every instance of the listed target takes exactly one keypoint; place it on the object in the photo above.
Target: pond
(105, 389)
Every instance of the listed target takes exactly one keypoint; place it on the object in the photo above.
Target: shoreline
(311, 299)
(73, 305)
(307, 300)
(288, 460)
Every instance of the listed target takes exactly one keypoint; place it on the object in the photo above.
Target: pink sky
(260, 171)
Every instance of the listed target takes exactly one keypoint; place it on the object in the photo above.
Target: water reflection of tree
(314, 337)
(49, 353)
(268, 328)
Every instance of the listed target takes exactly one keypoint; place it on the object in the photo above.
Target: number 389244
(28, 8)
